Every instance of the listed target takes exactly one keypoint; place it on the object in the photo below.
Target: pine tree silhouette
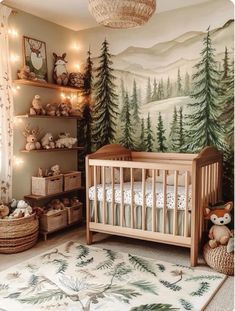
(187, 84)
(149, 136)
(142, 146)
(179, 83)
(105, 108)
(161, 139)
(127, 129)
(168, 88)
(135, 104)
(148, 92)
(204, 129)
(173, 131)
(179, 140)
(154, 96)
(122, 100)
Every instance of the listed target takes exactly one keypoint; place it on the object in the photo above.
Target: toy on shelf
(60, 73)
(65, 109)
(52, 110)
(220, 216)
(26, 74)
(32, 142)
(65, 141)
(37, 108)
(4, 210)
(53, 171)
(47, 141)
(76, 79)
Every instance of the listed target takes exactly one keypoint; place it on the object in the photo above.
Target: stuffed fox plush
(219, 233)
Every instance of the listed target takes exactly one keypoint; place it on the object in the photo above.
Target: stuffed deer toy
(219, 233)
(32, 142)
(60, 73)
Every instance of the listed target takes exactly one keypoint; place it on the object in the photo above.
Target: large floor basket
(17, 235)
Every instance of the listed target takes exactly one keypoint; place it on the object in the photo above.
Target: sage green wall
(58, 39)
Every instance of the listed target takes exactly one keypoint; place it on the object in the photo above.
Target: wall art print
(35, 57)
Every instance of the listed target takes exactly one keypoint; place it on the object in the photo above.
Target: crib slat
(176, 203)
(209, 184)
(122, 196)
(202, 204)
(132, 198)
(154, 201)
(206, 186)
(216, 181)
(143, 199)
(104, 194)
(113, 196)
(95, 186)
(186, 204)
(164, 201)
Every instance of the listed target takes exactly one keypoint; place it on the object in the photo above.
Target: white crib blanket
(138, 198)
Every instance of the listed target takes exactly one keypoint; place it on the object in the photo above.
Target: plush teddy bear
(65, 141)
(25, 73)
(47, 141)
(55, 204)
(52, 110)
(66, 202)
(37, 108)
(65, 109)
(31, 138)
(219, 233)
(23, 209)
(4, 210)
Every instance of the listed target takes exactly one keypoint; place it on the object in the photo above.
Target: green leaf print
(61, 263)
(84, 263)
(141, 264)
(155, 307)
(161, 267)
(186, 304)
(171, 286)
(33, 280)
(204, 287)
(53, 294)
(204, 277)
(4, 287)
(84, 251)
(145, 286)
(111, 256)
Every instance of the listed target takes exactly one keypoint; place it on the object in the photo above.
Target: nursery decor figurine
(47, 141)
(25, 73)
(23, 209)
(65, 141)
(60, 73)
(4, 210)
(32, 142)
(55, 170)
(76, 79)
(37, 108)
(65, 109)
(51, 109)
(219, 233)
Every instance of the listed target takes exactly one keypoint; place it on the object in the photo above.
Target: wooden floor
(223, 300)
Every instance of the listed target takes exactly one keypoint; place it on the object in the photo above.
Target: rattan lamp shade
(122, 13)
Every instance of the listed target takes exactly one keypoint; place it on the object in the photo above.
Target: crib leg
(194, 255)
(88, 237)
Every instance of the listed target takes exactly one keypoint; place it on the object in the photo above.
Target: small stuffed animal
(65, 109)
(55, 170)
(74, 201)
(65, 141)
(47, 141)
(55, 204)
(31, 138)
(60, 73)
(219, 233)
(23, 209)
(52, 110)
(66, 202)
(37, 108)
(4, 210)
(25, 73)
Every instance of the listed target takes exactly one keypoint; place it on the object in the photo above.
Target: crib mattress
(138, 198)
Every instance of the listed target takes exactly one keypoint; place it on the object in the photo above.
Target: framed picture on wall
(35, 57)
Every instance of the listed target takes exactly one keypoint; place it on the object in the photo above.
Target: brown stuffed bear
(219, 233)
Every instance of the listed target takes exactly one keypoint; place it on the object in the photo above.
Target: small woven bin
(17, 235)
(218, 259)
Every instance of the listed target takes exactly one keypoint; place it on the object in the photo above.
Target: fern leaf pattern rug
(74, 277)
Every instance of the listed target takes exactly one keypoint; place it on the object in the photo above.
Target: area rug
(74, 277)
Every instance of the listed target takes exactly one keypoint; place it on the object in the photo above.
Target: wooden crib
(201, 174)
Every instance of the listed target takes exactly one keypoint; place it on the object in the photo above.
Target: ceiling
(74, 14)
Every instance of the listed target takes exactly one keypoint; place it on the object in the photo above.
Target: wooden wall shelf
(45, 117)
(42, 197)
(53, 150)
(47, 85)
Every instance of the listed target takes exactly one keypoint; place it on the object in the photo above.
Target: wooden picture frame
(35, 56)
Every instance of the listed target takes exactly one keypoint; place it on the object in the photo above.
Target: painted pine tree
(179, 140)
(135, 104)
(160, 91)
(161, 139)
(87, 112)
(149, 135)
(168, 88)
(187, 84)
(142, 146)
(122, 98)
(105, 108)
(149, 91)
(127, 129)
(179, 83)
(154, 95)
(173, 131)
(204, 129)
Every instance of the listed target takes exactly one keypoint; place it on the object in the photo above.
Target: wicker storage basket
(47, 185)
(17, 235)
(72, 180)
(218, 259)
(53, 222)
(74, 213)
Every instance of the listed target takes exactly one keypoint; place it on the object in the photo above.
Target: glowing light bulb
(13, 32)
(77, 66)
(76, 46)
(14, 58)
(18, 161)
(62, 95)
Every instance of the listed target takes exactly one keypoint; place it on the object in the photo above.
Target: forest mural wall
(172, 95)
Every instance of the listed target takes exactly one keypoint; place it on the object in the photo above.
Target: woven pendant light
(122, 13)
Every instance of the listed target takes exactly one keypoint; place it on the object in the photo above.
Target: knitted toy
(219, 233)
